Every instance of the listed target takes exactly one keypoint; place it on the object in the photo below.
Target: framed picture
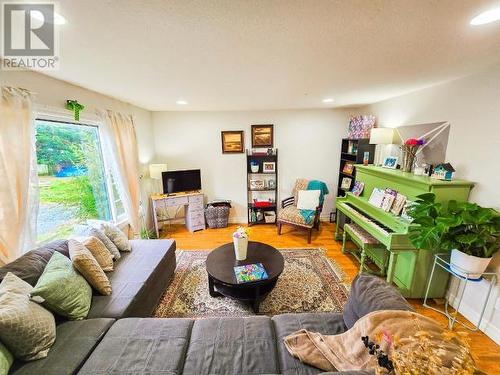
(262, 136)
(346, 183)
(358, 188)
(257, 184)
(269, 167)
(348, 168)
(232, 142)
(390, 162)
(271, 184)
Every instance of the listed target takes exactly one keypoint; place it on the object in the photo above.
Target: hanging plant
(76, 107)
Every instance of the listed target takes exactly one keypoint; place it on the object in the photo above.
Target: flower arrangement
(409, 149)
(241, 232)
(422, 353)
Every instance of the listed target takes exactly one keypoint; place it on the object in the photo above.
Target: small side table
(442, 260)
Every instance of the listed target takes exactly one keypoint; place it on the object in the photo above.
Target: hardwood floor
(486, 352)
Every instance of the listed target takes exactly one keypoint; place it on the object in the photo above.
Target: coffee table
(221, 278)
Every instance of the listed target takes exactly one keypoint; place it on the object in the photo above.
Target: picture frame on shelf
(257, 184)
(346, 183)
(348, 168)
(232, 141)
(271, 184)
(263, 135)
(358, 188)
(269, 167)
(390, 162)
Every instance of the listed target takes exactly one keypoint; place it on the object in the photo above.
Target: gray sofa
(124, 340)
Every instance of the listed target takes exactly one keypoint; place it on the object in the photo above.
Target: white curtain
(121, 153)
(18, 174)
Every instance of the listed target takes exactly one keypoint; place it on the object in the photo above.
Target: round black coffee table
(222, 281)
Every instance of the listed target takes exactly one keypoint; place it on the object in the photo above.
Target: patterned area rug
(310, 282)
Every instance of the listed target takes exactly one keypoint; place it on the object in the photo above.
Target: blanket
(346, 351)
(308, 215)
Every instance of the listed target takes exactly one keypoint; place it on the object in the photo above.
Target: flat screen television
(178, 181)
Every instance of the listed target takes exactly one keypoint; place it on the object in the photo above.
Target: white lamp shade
(155, 170)
(383, 136)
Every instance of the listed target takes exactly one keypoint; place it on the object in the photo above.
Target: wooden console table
(193, 207)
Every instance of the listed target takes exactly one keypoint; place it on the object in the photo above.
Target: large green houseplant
(470, 231)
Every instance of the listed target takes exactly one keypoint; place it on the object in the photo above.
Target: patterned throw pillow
(88, 230)
(63, 289)
(99, 251)
(85, 263)
(114, 234)
(26, 328)
(6, 360)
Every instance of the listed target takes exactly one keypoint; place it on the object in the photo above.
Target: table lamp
(155, 172)
(382, 138)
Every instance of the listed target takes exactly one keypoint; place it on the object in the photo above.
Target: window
(74, 183)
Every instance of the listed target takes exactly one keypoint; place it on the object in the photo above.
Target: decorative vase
(409, 152)
(254, 168)
(468, 265)
(240, 248)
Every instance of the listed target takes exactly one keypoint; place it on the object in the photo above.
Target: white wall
(308, 143)
(53, 93)
(472, 107)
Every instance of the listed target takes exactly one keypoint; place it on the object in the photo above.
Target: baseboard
(471, 313)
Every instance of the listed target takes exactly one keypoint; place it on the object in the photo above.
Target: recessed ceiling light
(58, 19)
(181, 102)
(328, 100)
(491, 15)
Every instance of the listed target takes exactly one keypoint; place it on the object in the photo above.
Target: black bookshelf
(352, 151)
(256, 215)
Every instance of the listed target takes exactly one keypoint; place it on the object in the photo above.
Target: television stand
(193, 203)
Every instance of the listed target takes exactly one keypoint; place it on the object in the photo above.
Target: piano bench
(368, 245)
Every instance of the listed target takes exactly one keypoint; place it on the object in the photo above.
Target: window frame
(63, 117)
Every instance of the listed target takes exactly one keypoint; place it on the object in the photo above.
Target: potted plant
(470, 231)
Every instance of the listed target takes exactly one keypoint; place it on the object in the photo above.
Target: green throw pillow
(6, 360)
(63, 289)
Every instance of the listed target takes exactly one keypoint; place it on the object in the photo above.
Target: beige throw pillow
(100, 252)
(114, 233)
(26, 328)
(87, 265)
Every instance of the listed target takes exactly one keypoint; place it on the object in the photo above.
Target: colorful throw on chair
(308, 215)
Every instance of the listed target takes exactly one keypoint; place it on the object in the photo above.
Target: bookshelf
(262, 185)
(352, 152)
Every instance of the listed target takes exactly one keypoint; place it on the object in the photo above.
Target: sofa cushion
(63, 289)
(326, 323)
(30, 266)
(100, 252)
(371, 293)
(141, 346)
(26, 328)
(87, 265)
(139, 279)
(292, 215)
(87, 230)
(232, 346)
(75, 341)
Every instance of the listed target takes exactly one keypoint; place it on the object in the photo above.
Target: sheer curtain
(121, 153)
(18, 174)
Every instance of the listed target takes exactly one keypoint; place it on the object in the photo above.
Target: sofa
(120, 337)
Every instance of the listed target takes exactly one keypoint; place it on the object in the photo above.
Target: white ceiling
(258, 54)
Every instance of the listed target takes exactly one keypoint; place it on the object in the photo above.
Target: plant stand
(442, 260)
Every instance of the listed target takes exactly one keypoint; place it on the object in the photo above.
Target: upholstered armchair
(291, 215)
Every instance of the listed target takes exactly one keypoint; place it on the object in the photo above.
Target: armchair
(290, 214)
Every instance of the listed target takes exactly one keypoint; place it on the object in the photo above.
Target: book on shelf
(346, 183)
(376, 197)
(389, 197)
(348, 168)
(249, 273)
(358, 188)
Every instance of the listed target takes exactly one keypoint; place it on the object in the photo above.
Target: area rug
(310, 282)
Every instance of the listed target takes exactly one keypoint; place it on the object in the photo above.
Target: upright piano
(408, 267)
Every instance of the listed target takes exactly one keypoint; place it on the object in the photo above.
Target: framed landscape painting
(262, 136)
(232, 142)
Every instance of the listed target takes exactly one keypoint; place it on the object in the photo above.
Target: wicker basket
(217, 215)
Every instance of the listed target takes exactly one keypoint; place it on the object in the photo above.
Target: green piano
(408, 267)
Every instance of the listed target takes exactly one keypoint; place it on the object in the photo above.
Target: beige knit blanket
(346, 351)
